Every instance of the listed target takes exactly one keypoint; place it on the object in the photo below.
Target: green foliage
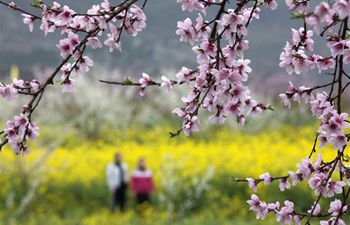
(36, 3)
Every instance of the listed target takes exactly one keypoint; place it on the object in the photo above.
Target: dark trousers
(142, 198)
(119, 198)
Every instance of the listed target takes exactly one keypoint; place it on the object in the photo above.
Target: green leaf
(347, 34)
(127, 81)
(297, 15)
(269, 107)
(36, 3)
(176, 134)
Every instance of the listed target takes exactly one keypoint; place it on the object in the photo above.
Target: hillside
(153, 50)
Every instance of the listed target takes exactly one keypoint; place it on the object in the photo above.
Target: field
(65, 183)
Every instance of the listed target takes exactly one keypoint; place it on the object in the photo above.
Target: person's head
(142, 164)
(118, 157)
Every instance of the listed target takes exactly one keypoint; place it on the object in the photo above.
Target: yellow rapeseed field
(76, 172)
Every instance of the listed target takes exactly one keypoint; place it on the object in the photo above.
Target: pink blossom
(285, 100)
(285, 215)
(166, 83)
(65, 47)
(297, 219)
(337, 48)
(341, 119)
(323, 139)
(231, 20)
(322, 10)
(317, 183)
(94, 10)
(294, 6)
(136, 21)
(332, 220)
(241, 46)
(234, 108)
(262, 212)
(190, 124)
(21, 120)
(300, 38)
(208, 48)
(336, 207)
(286, 58)
(191, 5)
(68, 85)
(274, 206)
(320, 105)
(339, 141)
(258, 206)
(179, 112)
(300, 62)
(65, 16)
(295, 177)
(11, 133)
(186, 31)
(18, 83)
(316, 210)
(254, 202)
(347, 57)
(218, 118)
(106, 5)
(18, 131)
(272, 4)
(200, 27)
(47, 26)
(85, 63)
(184, 75)
(32, 131)
(324, 64)
(342, 8)
(332, 127)
(266, 177)
(252, 184)
(284, 184)
(318, 162)
(334, 187)
(29, 20)
(12, 5)
(145, 80)
(305, 168)
(35, 85)
(94, 43)
(8, 92)
(112, 43)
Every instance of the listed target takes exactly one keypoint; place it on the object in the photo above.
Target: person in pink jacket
(142, 182)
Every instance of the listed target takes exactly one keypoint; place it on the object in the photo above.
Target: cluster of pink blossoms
(288, 215)
(298, 57)
(79, 31)
(332, 123)
(11, 91)
(294, 59)
(103, 17)
(294, 56)
(217, 84)
(19, 131)
(318, 175)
